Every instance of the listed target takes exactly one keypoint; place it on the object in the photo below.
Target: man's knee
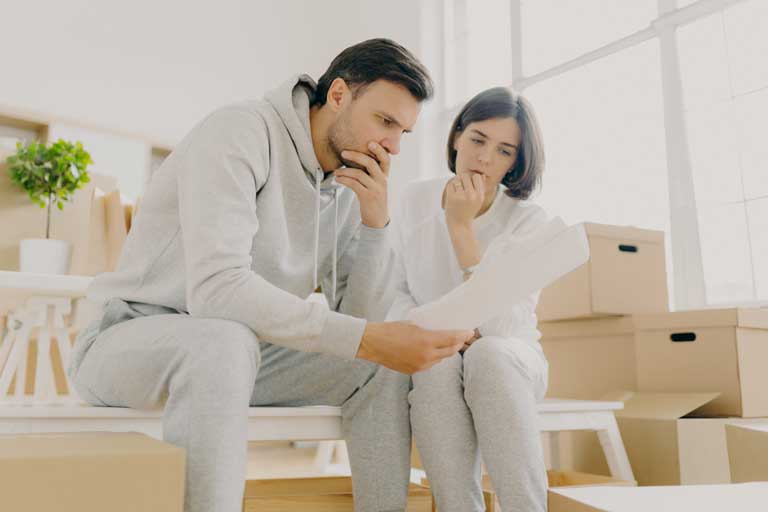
(224, 347)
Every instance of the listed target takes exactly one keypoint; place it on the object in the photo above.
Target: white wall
(155, 68)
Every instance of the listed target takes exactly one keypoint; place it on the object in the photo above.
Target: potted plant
(50, 174)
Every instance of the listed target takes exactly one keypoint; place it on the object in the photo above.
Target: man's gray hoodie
(240, 222)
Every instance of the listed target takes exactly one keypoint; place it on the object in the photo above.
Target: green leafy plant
(49, 173)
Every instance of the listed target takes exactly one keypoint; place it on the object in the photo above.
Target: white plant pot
(44, 256)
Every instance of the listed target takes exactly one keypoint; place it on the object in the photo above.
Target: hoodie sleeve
(226, 161)
(363, 286)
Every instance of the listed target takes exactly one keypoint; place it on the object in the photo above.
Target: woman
(482, 400)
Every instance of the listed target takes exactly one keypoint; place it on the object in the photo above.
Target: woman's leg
(504, 378)
(445, 436)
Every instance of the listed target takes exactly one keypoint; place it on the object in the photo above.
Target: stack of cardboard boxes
(608, 334)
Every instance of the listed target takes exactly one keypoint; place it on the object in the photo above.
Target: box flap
(732, 317)
(665, 406)
(623, 232)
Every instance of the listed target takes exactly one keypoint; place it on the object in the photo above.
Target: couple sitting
(265, 200)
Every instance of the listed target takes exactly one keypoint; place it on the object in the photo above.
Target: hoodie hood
(292, 101)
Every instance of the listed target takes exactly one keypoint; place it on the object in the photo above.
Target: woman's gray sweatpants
(207, 372)
(483, 401)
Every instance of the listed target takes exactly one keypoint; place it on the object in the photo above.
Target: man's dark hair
(372, 60)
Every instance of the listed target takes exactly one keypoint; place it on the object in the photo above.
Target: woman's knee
(492, 358)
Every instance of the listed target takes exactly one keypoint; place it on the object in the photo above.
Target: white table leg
(613, 447)
(46, 314)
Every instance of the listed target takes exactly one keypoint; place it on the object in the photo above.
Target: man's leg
(203, 371)
(375, 419)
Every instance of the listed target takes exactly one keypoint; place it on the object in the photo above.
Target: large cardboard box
(701, 498)
(319, 494)
(717, 350)
(90, 472)
(625, 274)
(748, 451)
(587, 359)
(666, 446)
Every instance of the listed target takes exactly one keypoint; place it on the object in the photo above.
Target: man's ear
(339, 94)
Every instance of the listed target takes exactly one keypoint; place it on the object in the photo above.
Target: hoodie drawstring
(335, 243)
(318, 181)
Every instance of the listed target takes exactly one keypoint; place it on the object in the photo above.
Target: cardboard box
(587, 359)
(320, 494)
(748, 451)
(710, 498)
(625, 274)
(716, 350)
(90, 472)
(667, 447)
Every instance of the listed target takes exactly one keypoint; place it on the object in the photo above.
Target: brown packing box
(718, 350)
(319, 494)
(587, 359)
(625, 274)
(715, 498)
(665, 447)
(748, 451)
(90, 472)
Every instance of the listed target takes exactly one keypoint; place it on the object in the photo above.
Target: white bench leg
(324, 455)
(613, 447)
(555, 458)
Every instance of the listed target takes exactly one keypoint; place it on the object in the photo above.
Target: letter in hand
(406, 348)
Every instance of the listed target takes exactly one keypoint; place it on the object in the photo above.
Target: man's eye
(387, 122)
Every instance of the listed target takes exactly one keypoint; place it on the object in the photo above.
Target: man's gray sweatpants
(207, 372)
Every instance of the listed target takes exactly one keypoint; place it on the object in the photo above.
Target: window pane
(752, 115)
(714, 154)
(757, 213)
(554, 31)
(747, 39)
(725, 254)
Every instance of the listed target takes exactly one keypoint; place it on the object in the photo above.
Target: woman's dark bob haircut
(501, 102)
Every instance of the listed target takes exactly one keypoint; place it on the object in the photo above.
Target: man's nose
(392, 145)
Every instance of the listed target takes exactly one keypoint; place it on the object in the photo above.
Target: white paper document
(512, 268)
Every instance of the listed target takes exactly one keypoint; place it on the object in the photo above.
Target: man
(205, 313)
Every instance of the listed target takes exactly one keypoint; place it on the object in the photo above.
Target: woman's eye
(476, 141)
(505, 152)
